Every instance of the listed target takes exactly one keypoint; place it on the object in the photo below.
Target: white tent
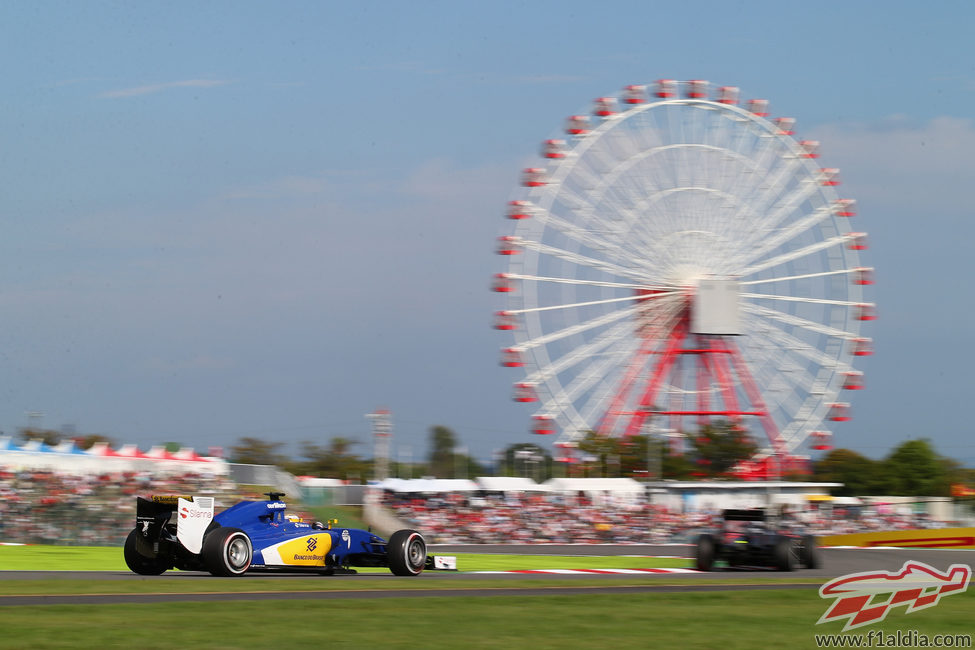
(509, 484)
(429, 485)
(316, 482)
(618, 489)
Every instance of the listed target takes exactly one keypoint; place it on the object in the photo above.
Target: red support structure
(719, 362)
(661, 360)
(676, 338)
(751, 389)
(703, 399)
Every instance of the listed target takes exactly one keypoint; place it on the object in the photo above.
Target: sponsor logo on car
(301, 551)
(185, 512)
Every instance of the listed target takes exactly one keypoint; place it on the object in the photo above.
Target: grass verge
(726, 620)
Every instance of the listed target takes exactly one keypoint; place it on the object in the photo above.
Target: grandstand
(67, 458)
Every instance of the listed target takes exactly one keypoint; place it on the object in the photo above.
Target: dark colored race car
(756, 539)
(182, 532)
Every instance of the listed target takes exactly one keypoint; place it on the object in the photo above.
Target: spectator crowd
(579, 519)
(42, 507)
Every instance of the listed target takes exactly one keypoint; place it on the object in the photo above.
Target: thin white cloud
(917, 167)
(417, 67)
(199, 362)
(550, 78)
(295, 186)
(150, 89)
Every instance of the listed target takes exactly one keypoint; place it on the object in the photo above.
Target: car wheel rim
(414, 553)
(237, 553)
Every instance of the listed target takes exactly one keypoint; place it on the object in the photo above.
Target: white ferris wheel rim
(653, 200)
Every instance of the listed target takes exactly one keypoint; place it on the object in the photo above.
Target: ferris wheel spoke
(574, 305)
(757, 183)
(578, 328)
(579, 234)
(806, 352)
(615, 388)
(594, 409)
(774, 218)
(592, 283)
(598, 369)
(789, 319)
(578, 355)
(811, 301)
(758, 199)
(794, 254)
(581, 260)
(804, 276)
(780, 237)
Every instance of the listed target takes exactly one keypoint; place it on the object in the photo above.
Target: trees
(442, 444)
(913, 468)
(447, 459)
(334, 460)
(526, 459)
(90, 440)
(721, 445)
(601, 454)
(255, 451)
(859, 475)
(46, 436)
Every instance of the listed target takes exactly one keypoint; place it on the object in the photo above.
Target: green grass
(726, 620)
(348, 516)
(61, 558)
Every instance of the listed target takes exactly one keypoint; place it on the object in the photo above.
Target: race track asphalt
(836, 562)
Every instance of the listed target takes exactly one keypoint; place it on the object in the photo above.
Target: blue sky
(242, 218)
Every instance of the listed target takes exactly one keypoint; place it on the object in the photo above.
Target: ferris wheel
(678, 257)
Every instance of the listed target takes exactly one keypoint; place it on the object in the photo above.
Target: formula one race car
(756, 538)
(259, 535)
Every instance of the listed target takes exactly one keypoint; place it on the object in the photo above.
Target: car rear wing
(195, 514)
(744, 515)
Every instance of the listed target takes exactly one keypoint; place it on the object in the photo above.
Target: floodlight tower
(382, 431)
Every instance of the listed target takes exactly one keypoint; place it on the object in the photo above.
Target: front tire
(227, 552)
(705, 552)
(406, 553)
(138, 563)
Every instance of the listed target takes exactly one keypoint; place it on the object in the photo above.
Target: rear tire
(406, 553)
(705, 552)
(809, 554)
(138, 563)
(227, 552)
(783, 557)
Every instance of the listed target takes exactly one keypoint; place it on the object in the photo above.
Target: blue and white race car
(182, 532)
